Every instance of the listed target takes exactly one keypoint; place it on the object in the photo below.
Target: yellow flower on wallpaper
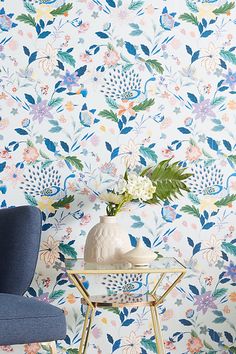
(45, 204)
(206, 11)
(208, 203)
(43, 12)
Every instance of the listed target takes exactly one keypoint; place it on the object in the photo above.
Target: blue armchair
(22, 319)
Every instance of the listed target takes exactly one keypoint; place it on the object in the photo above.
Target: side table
(77, 268)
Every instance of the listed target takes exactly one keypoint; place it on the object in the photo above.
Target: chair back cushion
(20, 232)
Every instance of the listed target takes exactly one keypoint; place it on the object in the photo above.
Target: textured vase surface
(106, 242)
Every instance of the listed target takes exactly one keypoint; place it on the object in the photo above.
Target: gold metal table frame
(162, 267)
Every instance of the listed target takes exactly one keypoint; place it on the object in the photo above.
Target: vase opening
(106, 219)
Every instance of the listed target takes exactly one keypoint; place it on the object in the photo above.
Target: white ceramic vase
(106, 242)
(141, 256)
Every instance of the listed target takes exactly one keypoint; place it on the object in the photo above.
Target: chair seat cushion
(28, 320)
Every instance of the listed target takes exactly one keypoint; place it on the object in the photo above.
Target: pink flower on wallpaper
(84, 57)
(6, 348)
(14, 175)
(4, 154)
(83, 27)
(85, 219)
(169, 345)
(194, 345)
(111, 57)
(32, 348)
(4, 122)
(167, 153)
(30, 154)
(193, 153)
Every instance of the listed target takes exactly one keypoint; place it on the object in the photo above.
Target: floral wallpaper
(90, 87)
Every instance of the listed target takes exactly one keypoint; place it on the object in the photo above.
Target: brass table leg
(157, 331)
(92, 314)
(84, 330)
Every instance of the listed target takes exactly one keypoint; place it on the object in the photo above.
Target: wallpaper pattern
(89, 88)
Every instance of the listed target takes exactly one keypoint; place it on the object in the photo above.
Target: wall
(85, 92)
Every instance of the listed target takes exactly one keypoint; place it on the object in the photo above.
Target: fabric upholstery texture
(23, 320)
(28, 320)
(20, 232)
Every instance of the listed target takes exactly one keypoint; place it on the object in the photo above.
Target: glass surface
(79, 266)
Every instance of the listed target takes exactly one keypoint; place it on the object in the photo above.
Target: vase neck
(108, 219)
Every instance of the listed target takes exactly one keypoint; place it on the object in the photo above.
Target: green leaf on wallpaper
(232, 158)
(111, 103)
(149, 153)
(155, 65)
(29, 7)
(192, 6)
(45, 156)
(31, 200)
(114, 310)
(194, 334)
(74, 161)
(46, 164)
(149, 344)
(64, 202)
(208, 346)
(229, 247)
(126, 67)
(224, 9)
(232, 350)
(62, 10)
(218, 100)
(194, 198)
(109, 115)
(219, 292)
(55, 102)
(30, 20)
(144, 105)
(66, 57)
(56, 294)
(72, 351)
(189, 18)
(135, 5)
(68, 250)
(192, 210)
(226, 200)
(229, 56)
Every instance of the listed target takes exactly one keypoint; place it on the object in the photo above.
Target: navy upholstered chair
(22, 319)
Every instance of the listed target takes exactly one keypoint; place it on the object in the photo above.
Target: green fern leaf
(229, 56)
(109, 115)
(155, 65)
(226, 200)
(192, 210)
(30, 20)
(144, 105)
(224, 9)
(63, 202)
(62, 10)
(189, 18)
(168, 179)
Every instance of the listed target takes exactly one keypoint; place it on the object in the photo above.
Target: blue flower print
(69, 80)
(169, 213)
(6, 21)
(230, 79)
(167, 20)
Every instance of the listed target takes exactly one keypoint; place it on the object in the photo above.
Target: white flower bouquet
(153, 185)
